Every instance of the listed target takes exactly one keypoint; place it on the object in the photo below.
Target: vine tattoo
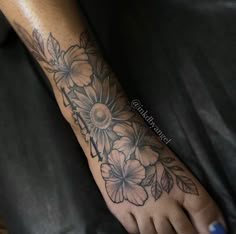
(130, 156)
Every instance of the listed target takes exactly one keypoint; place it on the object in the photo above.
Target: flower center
(100, 115)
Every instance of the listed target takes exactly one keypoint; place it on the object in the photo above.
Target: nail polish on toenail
(216, 228)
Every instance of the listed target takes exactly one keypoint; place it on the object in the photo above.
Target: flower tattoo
(133, 165)
(134, 140)
(123, 178)
(72, 68)
(100, 110)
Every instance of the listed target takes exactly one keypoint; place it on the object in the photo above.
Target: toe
(146, 225)
(181, 222)
(130, 224)
(163, 226)
(203, 218)
(203, 211)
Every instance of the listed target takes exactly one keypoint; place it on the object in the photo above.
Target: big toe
(203, 213)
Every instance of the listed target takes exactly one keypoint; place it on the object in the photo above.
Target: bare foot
(145, 186)
(149, 190)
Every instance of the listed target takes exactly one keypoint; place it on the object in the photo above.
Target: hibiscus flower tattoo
(132, 162)
(123, 178)
(135, 141)
(72, 68)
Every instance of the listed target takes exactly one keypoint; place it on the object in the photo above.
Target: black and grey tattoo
(130, 156)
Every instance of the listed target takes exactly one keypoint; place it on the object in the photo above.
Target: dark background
(176, 56)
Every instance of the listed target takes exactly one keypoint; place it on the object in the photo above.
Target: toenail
(216, 228)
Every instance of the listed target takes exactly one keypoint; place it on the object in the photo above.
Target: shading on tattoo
(131, 159)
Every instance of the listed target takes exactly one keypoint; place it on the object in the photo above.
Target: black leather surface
(177, 57)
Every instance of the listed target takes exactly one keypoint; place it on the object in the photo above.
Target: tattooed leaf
(156, 190)
(49, 70)
(53, 47)
(38, 41)
(84, 39)
(91, 50)
(186, 185)
(167, 181)
(176, 168)
(150, 173)
(102, 69)
(37, 56)
(24, 35)
(87, 43)
(167, 160)
(157, 149)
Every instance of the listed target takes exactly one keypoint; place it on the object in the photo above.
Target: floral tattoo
(131, 160)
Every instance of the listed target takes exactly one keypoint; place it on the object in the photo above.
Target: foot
(149, 190)
(145, 186)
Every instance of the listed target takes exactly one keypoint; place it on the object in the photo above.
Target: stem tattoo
(130, 156)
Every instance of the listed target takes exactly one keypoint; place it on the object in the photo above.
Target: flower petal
(120, 105)
(63, 81)
(125, 145)
(94, 132)
(81, 73)
(100, 141)
(106, 171)
(113, 92)
(90, 93)
(139, 130)
(106, 90)
(70, 82)
(134, 193)
(123, 115)
(123, 129)
(61, 61)
(134, 172)
(146, 155)
(115, 191)
(82, 80)
(81, 69)
(61, 75)
(107, 142)
(111, 134)
(117, 160)
(107, 174)
(98, 88)
(152, 141)
(75, 53)
(82, 101)
(84, 68)
(85, 116)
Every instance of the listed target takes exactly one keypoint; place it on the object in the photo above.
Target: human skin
(143, 183)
